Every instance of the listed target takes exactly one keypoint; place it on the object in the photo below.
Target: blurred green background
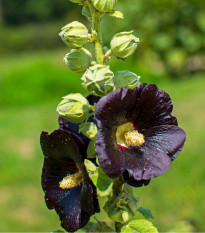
(33, 78)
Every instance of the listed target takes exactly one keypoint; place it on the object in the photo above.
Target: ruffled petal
(116, 108)
(144, 163)
(62, 158)
(167, 138)
(153, 108)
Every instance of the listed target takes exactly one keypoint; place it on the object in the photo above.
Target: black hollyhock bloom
(65, 181)
(138, 137)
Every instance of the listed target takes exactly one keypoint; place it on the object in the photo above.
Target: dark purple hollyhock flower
(138, 137)
(65, 181)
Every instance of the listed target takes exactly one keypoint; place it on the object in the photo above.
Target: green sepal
(102, 182)
(117, 14)
(146, 212)
(139, 226)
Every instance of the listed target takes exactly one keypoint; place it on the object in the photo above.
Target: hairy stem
(96, 31)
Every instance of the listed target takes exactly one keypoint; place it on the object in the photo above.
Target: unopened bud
(124, 44)
(98, 80)
(104, 5)
(126, 78)
(74, 34)
(74, 108)
(78, 60)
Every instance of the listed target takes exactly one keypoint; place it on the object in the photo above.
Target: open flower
(65, 181)
(138, 137)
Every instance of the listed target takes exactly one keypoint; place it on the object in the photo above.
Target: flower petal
(116, 108)
(109, 153)
(133, 182)
(62, 158)
(154, 108)
(144, 163)
(167, 138)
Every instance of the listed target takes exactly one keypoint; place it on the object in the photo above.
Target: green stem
(96, 30)
(118, 227)
(117, 186)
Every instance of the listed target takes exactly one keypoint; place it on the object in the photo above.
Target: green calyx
(104, 5)
(74, 34)
(122, 207)
(126, 78)
(78, 60)
(74, 108)
(98, 80)
(124, 44)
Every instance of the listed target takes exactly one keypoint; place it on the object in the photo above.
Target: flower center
(127, 136)
(71, 181)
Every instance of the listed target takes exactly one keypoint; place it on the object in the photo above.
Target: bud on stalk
(74, 34)
(98, 80)
(126, 78)
(124, 44)
(74, 108)
(78, 60)
(104, 5)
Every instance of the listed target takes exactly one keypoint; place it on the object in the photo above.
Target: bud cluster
(97, 79)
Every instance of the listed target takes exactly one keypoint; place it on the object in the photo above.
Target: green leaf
(139, 226)
(103, 183)
(117, 14)
(90, 227)
(91, 149)
(146, 212)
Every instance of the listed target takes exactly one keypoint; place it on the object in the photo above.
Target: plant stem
(117, 186)
(118, 227)
(96, 30)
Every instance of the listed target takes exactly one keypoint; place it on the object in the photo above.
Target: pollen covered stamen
(134, 138)
(71, 181)
(126, 136)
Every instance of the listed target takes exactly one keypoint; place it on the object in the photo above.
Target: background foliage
(172, 33)
(33, 78)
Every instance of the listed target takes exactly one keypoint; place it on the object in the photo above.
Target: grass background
(31, 86)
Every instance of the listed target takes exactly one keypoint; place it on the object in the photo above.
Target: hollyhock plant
(137, 137)
(66, 184)
(119, 137)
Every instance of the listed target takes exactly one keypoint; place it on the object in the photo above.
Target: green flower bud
(126, 78)
(104, 5)
(78, 60)
(74, 34)
(74, 108)
(124, 44)
(98, 80)
(122, 208)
